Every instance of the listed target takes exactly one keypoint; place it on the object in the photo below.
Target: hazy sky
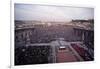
(51, 13)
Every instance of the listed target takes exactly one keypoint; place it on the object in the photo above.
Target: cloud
(51, 13)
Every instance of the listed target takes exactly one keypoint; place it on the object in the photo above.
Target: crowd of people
(82, 52)
(32, 55)
(47, 34)
(39, 54)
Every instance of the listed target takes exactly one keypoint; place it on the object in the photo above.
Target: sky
(51, 13)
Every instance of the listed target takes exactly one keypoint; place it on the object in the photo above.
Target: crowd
(31, 55)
